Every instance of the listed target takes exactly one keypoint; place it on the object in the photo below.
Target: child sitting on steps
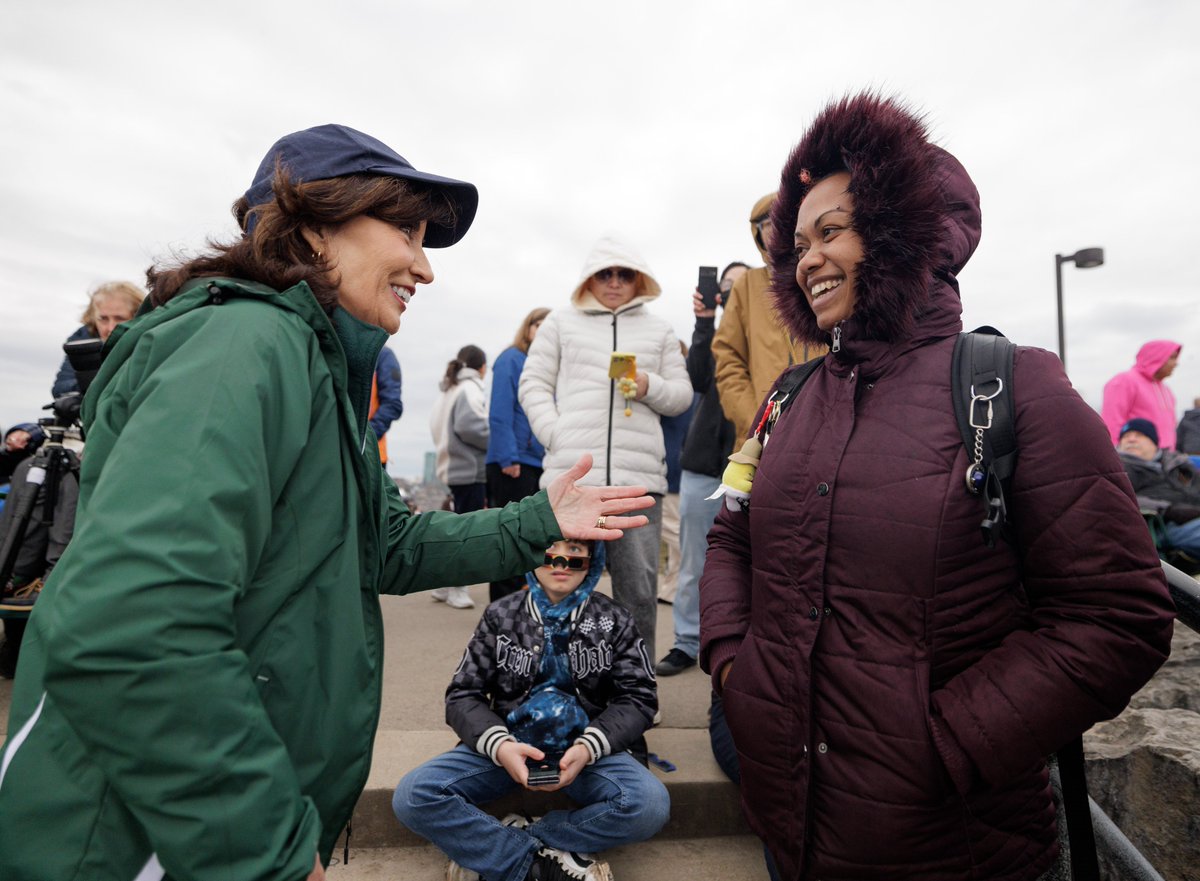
(560, 673)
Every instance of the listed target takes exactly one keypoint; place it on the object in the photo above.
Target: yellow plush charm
(738, 478)
(623, 368)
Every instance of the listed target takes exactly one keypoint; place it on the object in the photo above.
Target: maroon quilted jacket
(896, 684)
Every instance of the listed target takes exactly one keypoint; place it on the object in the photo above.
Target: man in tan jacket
(751, 348)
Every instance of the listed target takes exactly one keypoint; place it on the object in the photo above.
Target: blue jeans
(1185, 536)
(622, 803)
(696, 516)
(726, 755)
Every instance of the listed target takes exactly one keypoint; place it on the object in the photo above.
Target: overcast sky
(128, 128)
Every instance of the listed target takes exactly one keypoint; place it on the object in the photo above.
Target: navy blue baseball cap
(328, 151)
(1142, 426)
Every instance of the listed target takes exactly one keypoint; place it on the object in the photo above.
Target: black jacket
(711, 436)
(1167, 483)
(1187, 435)
(613, 677)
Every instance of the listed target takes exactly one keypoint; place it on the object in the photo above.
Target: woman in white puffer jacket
(573, 407)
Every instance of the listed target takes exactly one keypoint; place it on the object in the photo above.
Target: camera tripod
(31, 543)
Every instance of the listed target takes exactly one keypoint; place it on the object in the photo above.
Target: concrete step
(724, 858)
(425, 640)
(703, 801)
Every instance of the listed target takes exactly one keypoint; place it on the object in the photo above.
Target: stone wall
(1144, 766)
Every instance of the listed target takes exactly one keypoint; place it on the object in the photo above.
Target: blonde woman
(112, 303)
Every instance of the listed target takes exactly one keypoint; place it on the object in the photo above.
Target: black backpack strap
(793, 378)
(981, 388)
(981, 383)
(790, 382)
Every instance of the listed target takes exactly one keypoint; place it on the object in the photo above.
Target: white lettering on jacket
(512, 657)
(588, 660)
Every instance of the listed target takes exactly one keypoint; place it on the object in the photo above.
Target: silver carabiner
(978, 399)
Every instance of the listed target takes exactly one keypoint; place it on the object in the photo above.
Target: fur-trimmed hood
(915, 208)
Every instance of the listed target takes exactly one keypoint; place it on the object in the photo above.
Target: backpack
(981, 388)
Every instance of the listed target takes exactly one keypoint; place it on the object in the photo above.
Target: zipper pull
(837, 339)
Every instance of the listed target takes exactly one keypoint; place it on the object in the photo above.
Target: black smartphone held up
(708, 287)
(543, 772)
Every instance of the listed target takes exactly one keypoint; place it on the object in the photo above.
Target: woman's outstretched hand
(578, 509)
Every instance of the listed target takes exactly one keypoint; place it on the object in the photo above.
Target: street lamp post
(1085, 258)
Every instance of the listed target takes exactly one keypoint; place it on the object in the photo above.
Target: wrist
(594, 742)
(490, 741)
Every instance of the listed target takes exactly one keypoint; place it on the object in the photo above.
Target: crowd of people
(874, 665)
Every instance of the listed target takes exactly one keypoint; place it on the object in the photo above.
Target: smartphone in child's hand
(543, 772)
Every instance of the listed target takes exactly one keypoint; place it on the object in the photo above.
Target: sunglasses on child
(628, 276)
(559, 561)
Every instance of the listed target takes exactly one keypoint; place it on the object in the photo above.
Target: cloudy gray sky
(128, 128)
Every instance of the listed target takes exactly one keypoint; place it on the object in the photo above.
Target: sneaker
(552, 864)
(458, 598)
(657, 720)
(517, 821)
(21, 599)
(439, 594)
(675, 661)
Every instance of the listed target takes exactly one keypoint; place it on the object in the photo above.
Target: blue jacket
(511, 440)
(387, 387)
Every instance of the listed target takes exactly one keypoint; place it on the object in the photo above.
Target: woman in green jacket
(199, 687)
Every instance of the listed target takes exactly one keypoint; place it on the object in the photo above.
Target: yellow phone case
(622, 366)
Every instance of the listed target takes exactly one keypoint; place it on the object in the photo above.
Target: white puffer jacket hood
(612, 250)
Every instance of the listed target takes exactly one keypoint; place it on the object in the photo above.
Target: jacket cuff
(595, 741)
(955, 759)
(719, 654)
(538, 505)
(489, 742)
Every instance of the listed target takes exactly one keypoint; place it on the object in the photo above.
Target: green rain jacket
(199, 684)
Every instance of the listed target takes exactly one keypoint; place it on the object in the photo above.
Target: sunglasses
(628, 276)
(558, 561)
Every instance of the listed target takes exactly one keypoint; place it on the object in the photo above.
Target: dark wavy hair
(468, 356)
(898, 212)
(275, 252)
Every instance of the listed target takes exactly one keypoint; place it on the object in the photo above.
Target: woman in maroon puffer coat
(893, 685)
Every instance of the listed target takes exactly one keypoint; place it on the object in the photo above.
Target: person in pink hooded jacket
(1139, 393)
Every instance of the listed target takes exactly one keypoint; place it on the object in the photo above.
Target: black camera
(65, 410)
(85, 357)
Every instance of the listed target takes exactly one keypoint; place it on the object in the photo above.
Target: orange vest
(371, 414)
